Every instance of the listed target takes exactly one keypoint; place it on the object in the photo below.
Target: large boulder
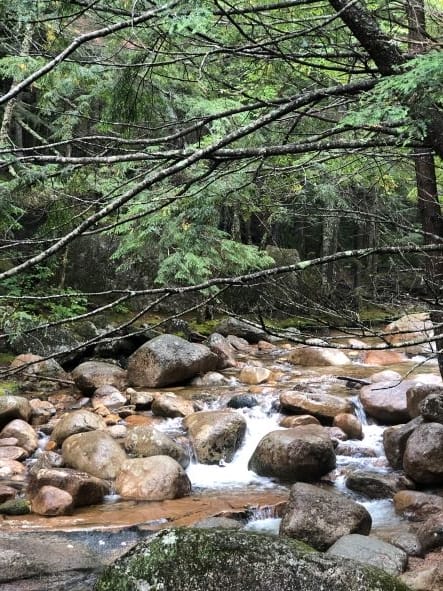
(411, 327)
(317, 357)
(417, 506)
(13, 407)
(304, 453)
(216, 560)
(152, 479)
(169, 359)
(386, 401)
(239, 328)
(373, 551)
(395, 439)
(146, 441)
(39, 366)
(90, 375)
(51, 501)
(25, 435)
(431, 408)
(416, 394)
(215, 434)
(320, 405)
(430, 533)
(320, 517)
(349, 423)
(78, 421)
(423, 457)
(94, 452)
(83, 488)
(378, 485)
(223, 349)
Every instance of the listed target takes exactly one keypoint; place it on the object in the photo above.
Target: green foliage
(404, 99)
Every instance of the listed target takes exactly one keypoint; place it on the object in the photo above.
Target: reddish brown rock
(317, 357)
(52, 501)
(349, 423)
(170, 405)
(297, 420)
(417, 506)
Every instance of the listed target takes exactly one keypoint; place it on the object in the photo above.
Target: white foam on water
(270, 525)
(235, 474)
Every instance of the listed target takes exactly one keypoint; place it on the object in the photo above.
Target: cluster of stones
(113, 446)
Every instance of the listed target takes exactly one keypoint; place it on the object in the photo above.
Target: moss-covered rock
(216, 560)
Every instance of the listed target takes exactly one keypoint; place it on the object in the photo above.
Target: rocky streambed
(242, 434)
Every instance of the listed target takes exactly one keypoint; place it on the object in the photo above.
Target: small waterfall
(359, 410)
(236, 474)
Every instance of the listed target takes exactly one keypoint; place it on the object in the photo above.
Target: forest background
(279, 160)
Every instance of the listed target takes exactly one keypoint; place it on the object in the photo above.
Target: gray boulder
(95, 452)
(239, 328)
(215, 434)
(373, 551)
(386, 401)
(431, 408)
(169, 359)
(416, 394)
(216, 560)
(79, 421)
(304, 453)
(13, 407)
(90, 375)
(320, 517)
(423, 457)
(395, 439)
(152, 479)
(144, 441)
(378, 485)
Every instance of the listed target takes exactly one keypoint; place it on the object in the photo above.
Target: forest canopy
(274, 157)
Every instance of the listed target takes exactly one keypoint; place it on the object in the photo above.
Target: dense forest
(277, 159)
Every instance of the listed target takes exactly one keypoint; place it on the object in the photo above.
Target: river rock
(215, 434)
(108, 396)
(431, 408)
(430, 533)
(320, 405)
(317, 357)
(24, 434)
(395, 439)
(238, 344)
(7, 493)
(242, 401)
(219, 523)
(305, 453)
(376, 485)
(416, 394)
(406, 541)
(252, 375)
(78, 421)
(349, 423)
(11, 468)
(417, 506)
(320, 517)
(298, 420)
(223, 349)
(95, 452)
(425, 579)
(83, 488)
(375, 357)
(196, 559)
(370, 550)
(409, 328)
(13, 407)
(169, 359)
(423, 457)
(141, 400)
(242, 329)
(386, 401)
(50, 500)
(147, 441)
(90, 375)
(170, 405)
(387, 375)
(212, 378)
(42, 411)
(13, 452)
(40, 367)
(152, 479)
